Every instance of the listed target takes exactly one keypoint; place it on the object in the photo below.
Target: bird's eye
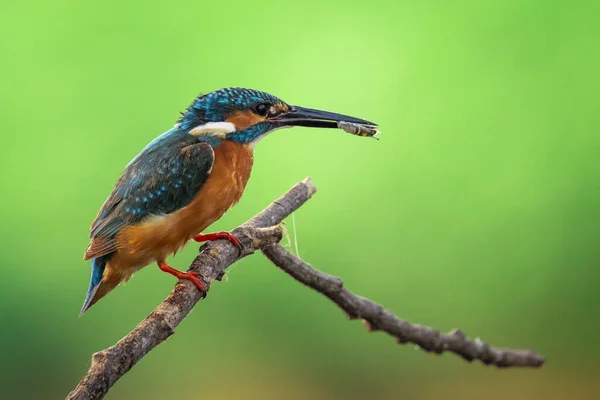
(262, 109)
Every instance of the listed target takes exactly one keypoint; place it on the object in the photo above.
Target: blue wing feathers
(154, 183)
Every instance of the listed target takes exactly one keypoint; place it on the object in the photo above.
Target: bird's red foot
(219, 235)
(190, 276)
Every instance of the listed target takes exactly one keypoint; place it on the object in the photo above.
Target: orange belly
(161, 236)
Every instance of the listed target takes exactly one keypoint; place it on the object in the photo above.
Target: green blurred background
(478, 208)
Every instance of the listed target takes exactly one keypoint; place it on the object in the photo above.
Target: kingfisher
(185, 180)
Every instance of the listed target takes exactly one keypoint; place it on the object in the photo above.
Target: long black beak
(301, 116)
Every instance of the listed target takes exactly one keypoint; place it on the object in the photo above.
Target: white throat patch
(215, 129)
(258, 139)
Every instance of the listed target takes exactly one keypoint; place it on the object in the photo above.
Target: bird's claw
(193, 277)
(221, 235)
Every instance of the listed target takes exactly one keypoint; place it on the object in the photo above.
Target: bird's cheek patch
(216, 129)
(243, 120)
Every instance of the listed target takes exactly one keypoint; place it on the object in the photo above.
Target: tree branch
(112, 363)
(263, 233)
(377, 318)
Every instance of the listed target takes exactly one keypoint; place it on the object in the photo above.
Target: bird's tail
(99, 287)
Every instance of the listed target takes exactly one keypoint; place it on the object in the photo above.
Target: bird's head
(246, 116)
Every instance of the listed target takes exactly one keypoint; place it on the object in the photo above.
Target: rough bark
(263, 233)
(377, 318)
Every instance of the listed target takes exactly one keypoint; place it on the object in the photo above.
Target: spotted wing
(151, 185)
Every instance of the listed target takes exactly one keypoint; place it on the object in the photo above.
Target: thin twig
(377, 318)
(112, 363)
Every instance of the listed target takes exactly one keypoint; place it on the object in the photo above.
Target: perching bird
(185, 180)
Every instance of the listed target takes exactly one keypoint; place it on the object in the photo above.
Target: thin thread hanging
(295, 234)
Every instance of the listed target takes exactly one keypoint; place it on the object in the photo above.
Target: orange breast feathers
(158, 237)
(223, 188)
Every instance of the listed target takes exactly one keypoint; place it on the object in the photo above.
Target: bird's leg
(204, 237)
(190, 276)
